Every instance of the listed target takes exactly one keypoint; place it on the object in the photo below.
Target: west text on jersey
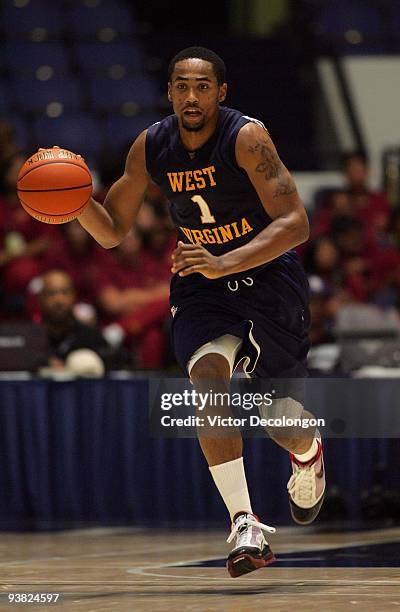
(189, 180)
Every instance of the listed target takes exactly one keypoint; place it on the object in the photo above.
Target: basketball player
(238, 290)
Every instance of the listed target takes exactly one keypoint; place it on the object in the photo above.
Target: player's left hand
(190, 258)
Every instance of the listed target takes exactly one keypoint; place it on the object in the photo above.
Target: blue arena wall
(79, 453)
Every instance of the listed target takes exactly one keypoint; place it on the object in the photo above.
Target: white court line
(143, 571)
(375, 538)
(301, 548)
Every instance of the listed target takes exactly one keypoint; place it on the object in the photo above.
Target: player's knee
(284, 418)
(211, 367)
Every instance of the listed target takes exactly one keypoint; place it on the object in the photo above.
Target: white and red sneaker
(251, 548)
(306, 487)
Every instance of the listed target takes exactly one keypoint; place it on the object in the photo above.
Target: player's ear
(169, 92)
(222, 92)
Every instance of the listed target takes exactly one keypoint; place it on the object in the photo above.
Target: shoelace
(300, 484)
(245, 521)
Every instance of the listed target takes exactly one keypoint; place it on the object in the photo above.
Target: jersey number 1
(206, 216)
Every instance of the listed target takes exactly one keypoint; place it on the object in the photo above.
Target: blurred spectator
(78, 254)
(385, 277)
(386, 266)
(158, 233)
(337, 204)
(328, 292)
(347, 234)
(23, 240)
(65, 333)
(321, 257)
(355, 256)
(357, 200)
(369, 206)
(131, 295)
(322, 319)
(366, 237)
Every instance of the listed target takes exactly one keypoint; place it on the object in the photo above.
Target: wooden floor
(118, 570)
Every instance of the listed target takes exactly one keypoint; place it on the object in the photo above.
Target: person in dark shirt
(66, 334)
(239, 293)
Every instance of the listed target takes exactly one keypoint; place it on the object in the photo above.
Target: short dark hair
(204, 54)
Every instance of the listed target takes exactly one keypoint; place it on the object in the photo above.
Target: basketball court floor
(117, 570)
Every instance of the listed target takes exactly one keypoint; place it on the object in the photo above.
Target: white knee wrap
(227, 346)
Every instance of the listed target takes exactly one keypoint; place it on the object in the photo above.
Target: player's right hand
(191, 258)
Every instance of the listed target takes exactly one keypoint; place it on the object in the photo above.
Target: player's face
(195, 93)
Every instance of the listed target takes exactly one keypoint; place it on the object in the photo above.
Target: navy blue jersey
(212, 200)
(213, 203)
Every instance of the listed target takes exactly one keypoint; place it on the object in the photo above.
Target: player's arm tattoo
(285, 187)
(270, 164)
(272, 167)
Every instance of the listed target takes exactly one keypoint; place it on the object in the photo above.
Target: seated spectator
(355, 257)
(337, 204)
(322, 317)
(66, 334)
(321, 258)
(368, 205)
(385, 268)
(357, 200)
(78, 254)
(322, 262)
(158, 234)
(23, 240)
(131, 295)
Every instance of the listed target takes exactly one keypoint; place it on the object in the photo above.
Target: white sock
(230, 480)
(308, 455)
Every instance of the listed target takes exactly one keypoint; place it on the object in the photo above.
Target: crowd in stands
(122, 291)
(353, 256)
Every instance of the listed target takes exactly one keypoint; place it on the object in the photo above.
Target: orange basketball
(54, 185)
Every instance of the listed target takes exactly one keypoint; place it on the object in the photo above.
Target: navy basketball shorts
(267, 308)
